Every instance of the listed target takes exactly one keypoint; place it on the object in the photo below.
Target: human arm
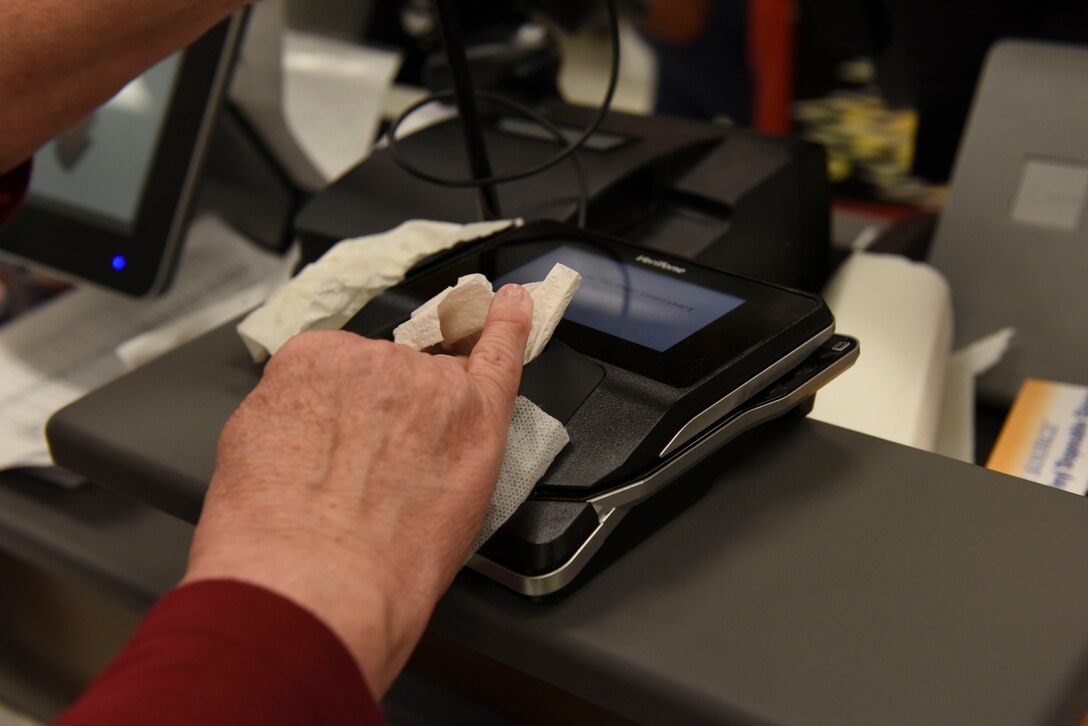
(60, 59)
(354, 478)
(224, 652)
(394, 452)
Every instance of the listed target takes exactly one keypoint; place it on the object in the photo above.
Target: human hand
(355, 476)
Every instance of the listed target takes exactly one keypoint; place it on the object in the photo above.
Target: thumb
(496, 359)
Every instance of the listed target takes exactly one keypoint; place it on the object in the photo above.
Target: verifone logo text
(660, 264)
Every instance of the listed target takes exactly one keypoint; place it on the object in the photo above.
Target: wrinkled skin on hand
(354, 478)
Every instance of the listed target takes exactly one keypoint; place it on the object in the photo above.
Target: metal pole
(464, 92)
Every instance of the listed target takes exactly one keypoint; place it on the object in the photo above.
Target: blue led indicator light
(119, 263)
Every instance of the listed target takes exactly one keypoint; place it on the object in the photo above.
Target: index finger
(496, 360)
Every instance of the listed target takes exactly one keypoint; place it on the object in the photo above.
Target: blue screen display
(630, 301)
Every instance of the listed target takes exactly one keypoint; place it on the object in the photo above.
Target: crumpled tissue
(451, 321)
(328, 292)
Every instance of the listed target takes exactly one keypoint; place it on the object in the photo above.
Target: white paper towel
(901, 312)
(908, 385)
(453, 319)
(956, 432)
(328, 292)
(534, 441)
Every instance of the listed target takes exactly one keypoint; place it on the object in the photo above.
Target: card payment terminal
(656, 364)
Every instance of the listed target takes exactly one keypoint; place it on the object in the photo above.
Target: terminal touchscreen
(638, 303)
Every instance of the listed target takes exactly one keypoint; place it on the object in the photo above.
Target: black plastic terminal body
(624, 404)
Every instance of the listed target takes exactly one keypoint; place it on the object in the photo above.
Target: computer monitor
(109, 199)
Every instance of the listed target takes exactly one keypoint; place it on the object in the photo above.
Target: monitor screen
(110, 198)
(115, 145)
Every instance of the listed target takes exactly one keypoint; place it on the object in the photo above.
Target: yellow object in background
(867, 139)
(1045, 437)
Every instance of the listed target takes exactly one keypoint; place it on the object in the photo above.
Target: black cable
(568, 152)
(464, 94)
(540, 120)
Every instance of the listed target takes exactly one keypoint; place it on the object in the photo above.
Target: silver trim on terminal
(613, 505)
(637, 491)
(557, 579)
(715, 411)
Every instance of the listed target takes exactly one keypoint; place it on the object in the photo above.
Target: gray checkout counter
(803, 575)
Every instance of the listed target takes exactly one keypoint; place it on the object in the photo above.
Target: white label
(1045, 437)
(1051, 194)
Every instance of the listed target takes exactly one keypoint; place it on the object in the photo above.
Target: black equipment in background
(725, 197)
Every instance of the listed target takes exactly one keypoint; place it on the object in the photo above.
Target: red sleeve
(13, 190)
(225, 652)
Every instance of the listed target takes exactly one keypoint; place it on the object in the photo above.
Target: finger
(496, 361)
